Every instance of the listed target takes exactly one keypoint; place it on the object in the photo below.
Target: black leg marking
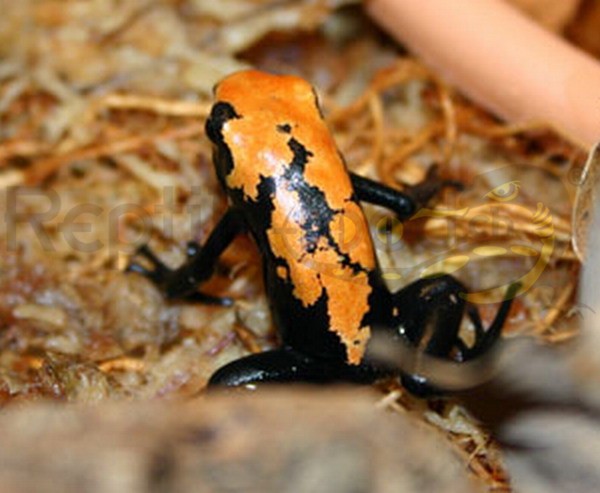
(431, 311)
(158, 271)
(404, 203)
(368, 190)
(209, 299)
(192, 249)
(285, 365)
(473, 314)
(278, 365)
(484, 341)
(181, 283)
(423, 192)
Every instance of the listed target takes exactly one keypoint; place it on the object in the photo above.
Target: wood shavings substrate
(102, 149)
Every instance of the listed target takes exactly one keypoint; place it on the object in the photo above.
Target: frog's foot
(431, 185)
(159, 273)
(175, 283)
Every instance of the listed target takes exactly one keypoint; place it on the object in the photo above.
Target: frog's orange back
(317, 232)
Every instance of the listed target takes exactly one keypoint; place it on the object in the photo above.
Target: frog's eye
(505, 192)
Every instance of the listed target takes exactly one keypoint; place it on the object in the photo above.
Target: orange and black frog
(289, 188)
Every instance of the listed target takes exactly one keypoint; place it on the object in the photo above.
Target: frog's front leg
(404, 203)
(181, 283)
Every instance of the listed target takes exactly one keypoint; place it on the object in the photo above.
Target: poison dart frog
(288, 187)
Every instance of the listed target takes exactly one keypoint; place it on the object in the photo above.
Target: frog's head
(250, 124)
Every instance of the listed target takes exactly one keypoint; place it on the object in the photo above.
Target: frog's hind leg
(486, 338)
(277, 365)
(286, 365)
(430, 315)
